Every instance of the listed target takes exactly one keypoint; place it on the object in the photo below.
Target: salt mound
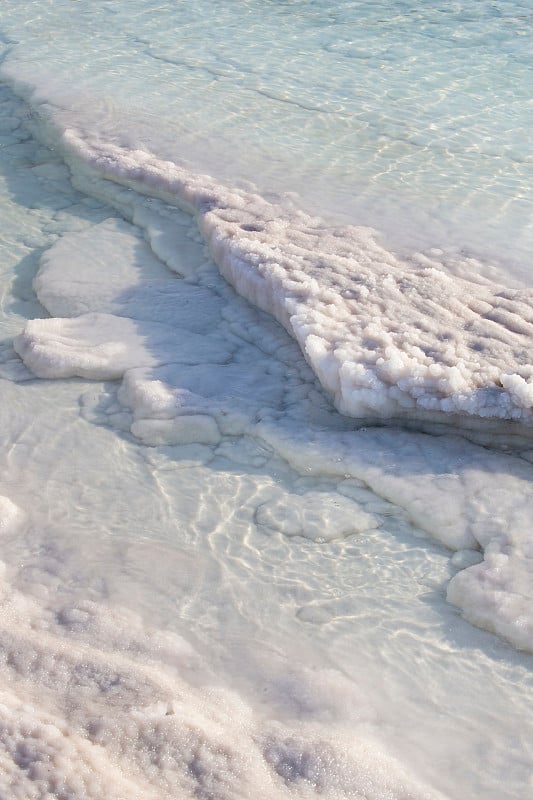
(388, 337)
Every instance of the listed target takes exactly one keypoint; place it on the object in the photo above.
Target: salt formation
(177, 389)
(472, 500)
(11, 516)
(98, 701)
(105, 346)
(387, 337)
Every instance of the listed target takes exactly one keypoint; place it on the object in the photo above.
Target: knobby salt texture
(389, 338)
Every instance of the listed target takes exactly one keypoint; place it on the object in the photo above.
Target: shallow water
(413, 120)
(217, 585)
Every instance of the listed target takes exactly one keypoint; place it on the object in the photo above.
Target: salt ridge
(388, 338)
(465, 375)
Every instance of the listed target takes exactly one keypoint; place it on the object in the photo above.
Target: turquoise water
(214, 584)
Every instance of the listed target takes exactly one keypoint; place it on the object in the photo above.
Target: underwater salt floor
(259, 606)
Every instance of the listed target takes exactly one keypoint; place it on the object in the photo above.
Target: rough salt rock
(388, 337)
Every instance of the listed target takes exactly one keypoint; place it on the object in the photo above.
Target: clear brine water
(413, 118)
(214, 584)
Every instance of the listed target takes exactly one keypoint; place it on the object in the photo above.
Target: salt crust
(304, 515)
(387, 337)
(289, 759)
(96, 704)
(12, 518)
(464, 496)
(289, 756)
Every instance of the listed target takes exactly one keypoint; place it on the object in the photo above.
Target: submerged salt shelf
(215, 584)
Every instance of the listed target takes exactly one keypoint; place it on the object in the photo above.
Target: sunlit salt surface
(215, 585)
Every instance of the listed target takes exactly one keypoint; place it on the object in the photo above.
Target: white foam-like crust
(389, 338)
